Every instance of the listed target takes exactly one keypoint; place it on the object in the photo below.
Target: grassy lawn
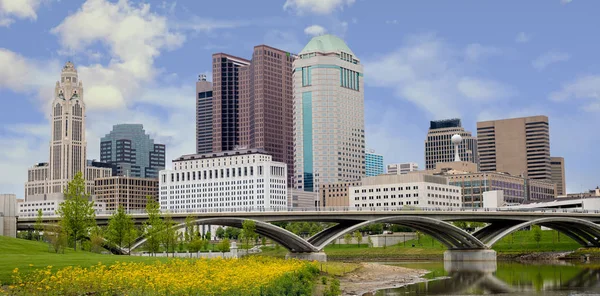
(29, 255)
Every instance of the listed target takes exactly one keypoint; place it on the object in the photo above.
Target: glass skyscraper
(132, 152)
(374, 164)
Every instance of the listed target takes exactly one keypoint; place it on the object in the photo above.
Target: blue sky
(424, 60)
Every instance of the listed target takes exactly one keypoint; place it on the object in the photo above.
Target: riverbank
(370, 277)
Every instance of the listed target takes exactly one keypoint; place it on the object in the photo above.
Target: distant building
(204, 115)
(239, 179)
(373, 164)
(518, 146)
(8, 215)
(132, 152)
(303, 199)
(336, 194)
(439, 147)
(49, 208)
(411, 190)
(402, 168)
(129, 192)
(329, 125)
(558, 175)
(589, 193)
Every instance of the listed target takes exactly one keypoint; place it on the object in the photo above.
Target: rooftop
(326, 43)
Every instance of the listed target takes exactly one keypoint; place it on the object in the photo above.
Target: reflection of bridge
(580, 226)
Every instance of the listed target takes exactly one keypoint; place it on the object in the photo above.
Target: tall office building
(558, 175)
(47, 181)
(266, 105)
(226, 95)
(329, 126)
(402, 168)
(132, 152)
(373, 164)
(439, 147)
(518, 146)
(204, 115)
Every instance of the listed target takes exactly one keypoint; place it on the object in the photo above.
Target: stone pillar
(8, 215)
(314, 256)
(470, 255)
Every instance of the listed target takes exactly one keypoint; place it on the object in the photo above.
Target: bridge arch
(282, 236)
(448, 234)
(584, 232)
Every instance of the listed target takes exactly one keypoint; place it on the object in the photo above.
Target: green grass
(20, 253)
(522, 242)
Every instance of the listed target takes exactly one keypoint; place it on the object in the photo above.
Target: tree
(249, 231)
(419, 235)
(119, 227)
(359, 238)
(57, 237)
(169, 237)
(77, 211)
(537, 234)
(348, 238)
(189, 228)
(370, 241)
(154, 226)
(223, 246)
(461, 224)
(38, 226)
(96, 240)
(130, 237)
(208, 235)
(232, 233)
(220, 232)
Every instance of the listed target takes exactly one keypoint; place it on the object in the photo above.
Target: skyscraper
(402, 168)
(373, 164)
(47, 181)
(132, 152)
(558, 175)
(226, 92)
(204, 115)
(266, 105)
(329, 128)
(439, 147)
(518, 146)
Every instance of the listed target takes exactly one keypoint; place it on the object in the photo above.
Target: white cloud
(522, 37)
(205, 25)
(21, 9)
(476, 51)
(432, 75)
(284, 40)
(548, 58)
(314, 30)
(316, 6)
(583, 88)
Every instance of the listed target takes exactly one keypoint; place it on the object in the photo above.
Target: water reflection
(505, 278)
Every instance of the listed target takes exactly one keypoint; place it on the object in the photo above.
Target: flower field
(247, 276)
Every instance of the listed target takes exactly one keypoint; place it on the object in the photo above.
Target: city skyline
(540, 70)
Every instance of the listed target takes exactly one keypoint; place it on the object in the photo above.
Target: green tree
(39, 226)
(232, 232)
(419, 235)
(119, 227)
(169, 237)
(208, 235)
(359, 237)
(537, 234)
(189, 228)
(57, 237)
(249, 231)
(130, 238)
(370, 241)
(77, 211)
(154, 226)
(348, 238)
(223, 246)
(461, 224)
(96, 239)
(220, 232)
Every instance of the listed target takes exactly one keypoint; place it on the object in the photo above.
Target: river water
(504, 278)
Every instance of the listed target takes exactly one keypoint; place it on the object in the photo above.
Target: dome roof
(326, 43)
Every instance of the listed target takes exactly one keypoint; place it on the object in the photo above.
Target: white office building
(411, 190)
(231, 180)
(402, 168)
(49, 208)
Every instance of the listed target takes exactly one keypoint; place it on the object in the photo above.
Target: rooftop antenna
(456, 139)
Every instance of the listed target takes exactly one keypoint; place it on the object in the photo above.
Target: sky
(424, 60)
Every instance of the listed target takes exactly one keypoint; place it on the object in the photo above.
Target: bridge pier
(310, 256)
(470, 255)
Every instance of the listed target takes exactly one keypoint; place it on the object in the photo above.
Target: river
(503, 278)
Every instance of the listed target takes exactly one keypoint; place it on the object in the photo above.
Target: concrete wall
(8, 210)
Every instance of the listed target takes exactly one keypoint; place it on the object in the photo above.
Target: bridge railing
(333, 209)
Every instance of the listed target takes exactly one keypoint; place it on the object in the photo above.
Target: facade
(402, 168)
(439, 147)
(300, 199)
(329, 128)
(336, 194)
(373, 164)
(589, 193)
(518, 146)
(226, 106)
(266, 105)
(241, 179)
(49, 208)
(204, 115)
(47, 181)
(558, 175)
(132, 152)
(8, 215)
(130, 192)
(411, 190)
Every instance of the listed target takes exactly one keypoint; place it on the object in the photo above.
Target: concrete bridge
(580, 225)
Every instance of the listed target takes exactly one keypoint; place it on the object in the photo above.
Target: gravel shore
(372, 277)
